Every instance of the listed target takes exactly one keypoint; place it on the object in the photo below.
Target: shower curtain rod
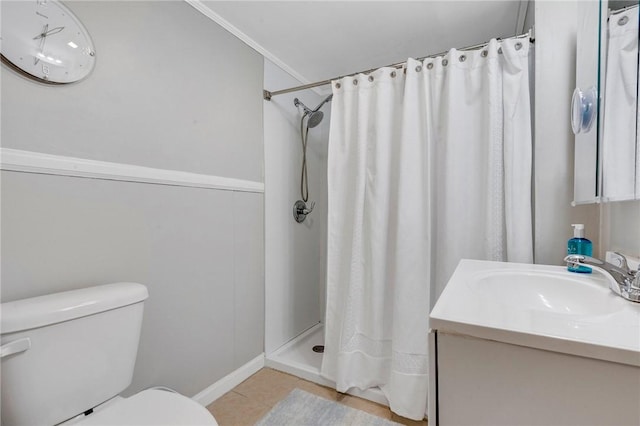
(268, 95)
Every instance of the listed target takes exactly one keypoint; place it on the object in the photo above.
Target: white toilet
(67, 356)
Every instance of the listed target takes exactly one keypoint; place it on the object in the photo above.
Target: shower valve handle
(300, 210)
(310, 209)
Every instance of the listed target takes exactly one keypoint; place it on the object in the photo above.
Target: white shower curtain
(425, 168)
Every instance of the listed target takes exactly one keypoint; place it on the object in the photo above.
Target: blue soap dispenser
(579, 245)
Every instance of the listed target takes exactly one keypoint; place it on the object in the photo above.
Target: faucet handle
(618, 259)
(622, 281)
(632, 289)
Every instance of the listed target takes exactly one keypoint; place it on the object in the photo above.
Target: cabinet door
(482, 382)
(604, 110)
(585, 104)
(619, 150)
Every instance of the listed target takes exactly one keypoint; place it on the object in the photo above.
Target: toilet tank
(64, 353)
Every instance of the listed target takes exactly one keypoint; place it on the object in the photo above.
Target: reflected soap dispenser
(579, 245)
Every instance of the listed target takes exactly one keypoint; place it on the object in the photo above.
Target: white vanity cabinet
(515, 344)
(485, 382)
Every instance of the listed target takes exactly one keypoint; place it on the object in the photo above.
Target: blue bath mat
(301, 408)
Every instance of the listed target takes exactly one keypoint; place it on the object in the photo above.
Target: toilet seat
(151, 407)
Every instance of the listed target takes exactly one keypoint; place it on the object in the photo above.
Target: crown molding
(199, 6)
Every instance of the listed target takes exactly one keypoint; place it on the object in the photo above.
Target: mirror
(620, 104)
(607, 154)
(585, 188)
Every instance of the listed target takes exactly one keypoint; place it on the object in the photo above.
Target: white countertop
(609, 330)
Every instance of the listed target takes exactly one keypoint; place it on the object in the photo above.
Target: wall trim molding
(230, 381)
(199, 6)
(35, 162)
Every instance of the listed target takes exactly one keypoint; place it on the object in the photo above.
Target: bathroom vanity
(520, 344)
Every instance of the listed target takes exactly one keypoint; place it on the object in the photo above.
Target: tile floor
(252, 399)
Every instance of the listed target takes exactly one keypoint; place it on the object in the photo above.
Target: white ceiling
(318, 40)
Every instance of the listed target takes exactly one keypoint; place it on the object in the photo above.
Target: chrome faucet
(623, 281)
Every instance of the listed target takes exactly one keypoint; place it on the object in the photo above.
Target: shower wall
(295, 253)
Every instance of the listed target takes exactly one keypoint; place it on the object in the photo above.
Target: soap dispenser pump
(579, 245)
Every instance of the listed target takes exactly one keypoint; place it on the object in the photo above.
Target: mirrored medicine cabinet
(604, 108)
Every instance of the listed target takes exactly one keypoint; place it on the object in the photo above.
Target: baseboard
(230, 381)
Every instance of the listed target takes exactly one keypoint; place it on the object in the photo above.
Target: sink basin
(557, 292)
(539, 306)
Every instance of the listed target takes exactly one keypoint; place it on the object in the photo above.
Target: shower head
(314, 117)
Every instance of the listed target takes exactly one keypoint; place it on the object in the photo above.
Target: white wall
(295, 252)
(555, 45)
(621, 227)
(171, 89)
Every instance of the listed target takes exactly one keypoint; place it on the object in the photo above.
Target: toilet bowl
(67, 356)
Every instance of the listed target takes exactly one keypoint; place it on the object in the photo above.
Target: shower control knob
(310, 209)
(300, 210)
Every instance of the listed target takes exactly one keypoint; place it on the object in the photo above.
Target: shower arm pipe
(267, 95)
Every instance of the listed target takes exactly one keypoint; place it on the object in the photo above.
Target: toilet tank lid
(50, 309)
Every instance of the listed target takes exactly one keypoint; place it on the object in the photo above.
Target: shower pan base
(298, 358)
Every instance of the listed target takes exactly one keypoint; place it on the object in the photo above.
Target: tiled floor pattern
(252, 399)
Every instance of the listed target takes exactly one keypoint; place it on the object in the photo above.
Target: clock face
(45, 40)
